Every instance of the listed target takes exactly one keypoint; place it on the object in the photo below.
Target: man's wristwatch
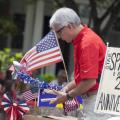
(68, 96)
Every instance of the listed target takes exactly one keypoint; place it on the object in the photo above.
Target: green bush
(46, 77)
(7, 57)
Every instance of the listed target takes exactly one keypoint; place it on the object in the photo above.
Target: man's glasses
(59, 31)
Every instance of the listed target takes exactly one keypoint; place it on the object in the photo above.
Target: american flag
(28, 95)
(34, 91)
(71, 105)
(46, 52)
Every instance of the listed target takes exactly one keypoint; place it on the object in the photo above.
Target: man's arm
(83, 87)
(71, 85)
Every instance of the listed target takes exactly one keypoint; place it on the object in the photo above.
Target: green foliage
(6, 58)
(46, 77)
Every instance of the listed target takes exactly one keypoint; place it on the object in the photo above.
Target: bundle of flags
(71, 105)
(14, 109)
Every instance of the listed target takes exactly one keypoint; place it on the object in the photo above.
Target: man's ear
(70, 26)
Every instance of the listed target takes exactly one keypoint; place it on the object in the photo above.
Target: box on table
(38, 117)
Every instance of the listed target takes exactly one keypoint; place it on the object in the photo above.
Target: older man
(89, 53)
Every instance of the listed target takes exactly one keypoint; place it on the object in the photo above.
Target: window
(17, 40)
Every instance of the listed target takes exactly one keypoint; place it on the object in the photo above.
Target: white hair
(64, 16)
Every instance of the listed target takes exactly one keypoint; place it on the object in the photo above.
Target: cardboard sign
(108, 97)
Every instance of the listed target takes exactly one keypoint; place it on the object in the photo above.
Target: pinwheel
(14, 109)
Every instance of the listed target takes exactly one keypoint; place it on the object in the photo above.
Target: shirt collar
(80, 35)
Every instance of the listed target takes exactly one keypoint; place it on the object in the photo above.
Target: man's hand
(61, 96)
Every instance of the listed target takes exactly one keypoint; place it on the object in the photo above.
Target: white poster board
(108, 97)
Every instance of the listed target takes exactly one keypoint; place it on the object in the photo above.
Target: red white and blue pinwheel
(14, 109)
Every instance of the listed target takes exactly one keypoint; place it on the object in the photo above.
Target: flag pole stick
(35, 102)
(36, 108)
(62, 58)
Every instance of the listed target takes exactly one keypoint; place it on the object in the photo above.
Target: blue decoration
(42, 85)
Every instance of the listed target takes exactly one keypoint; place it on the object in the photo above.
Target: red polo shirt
(89, 53)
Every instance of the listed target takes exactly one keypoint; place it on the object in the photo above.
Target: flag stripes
(46, 52)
